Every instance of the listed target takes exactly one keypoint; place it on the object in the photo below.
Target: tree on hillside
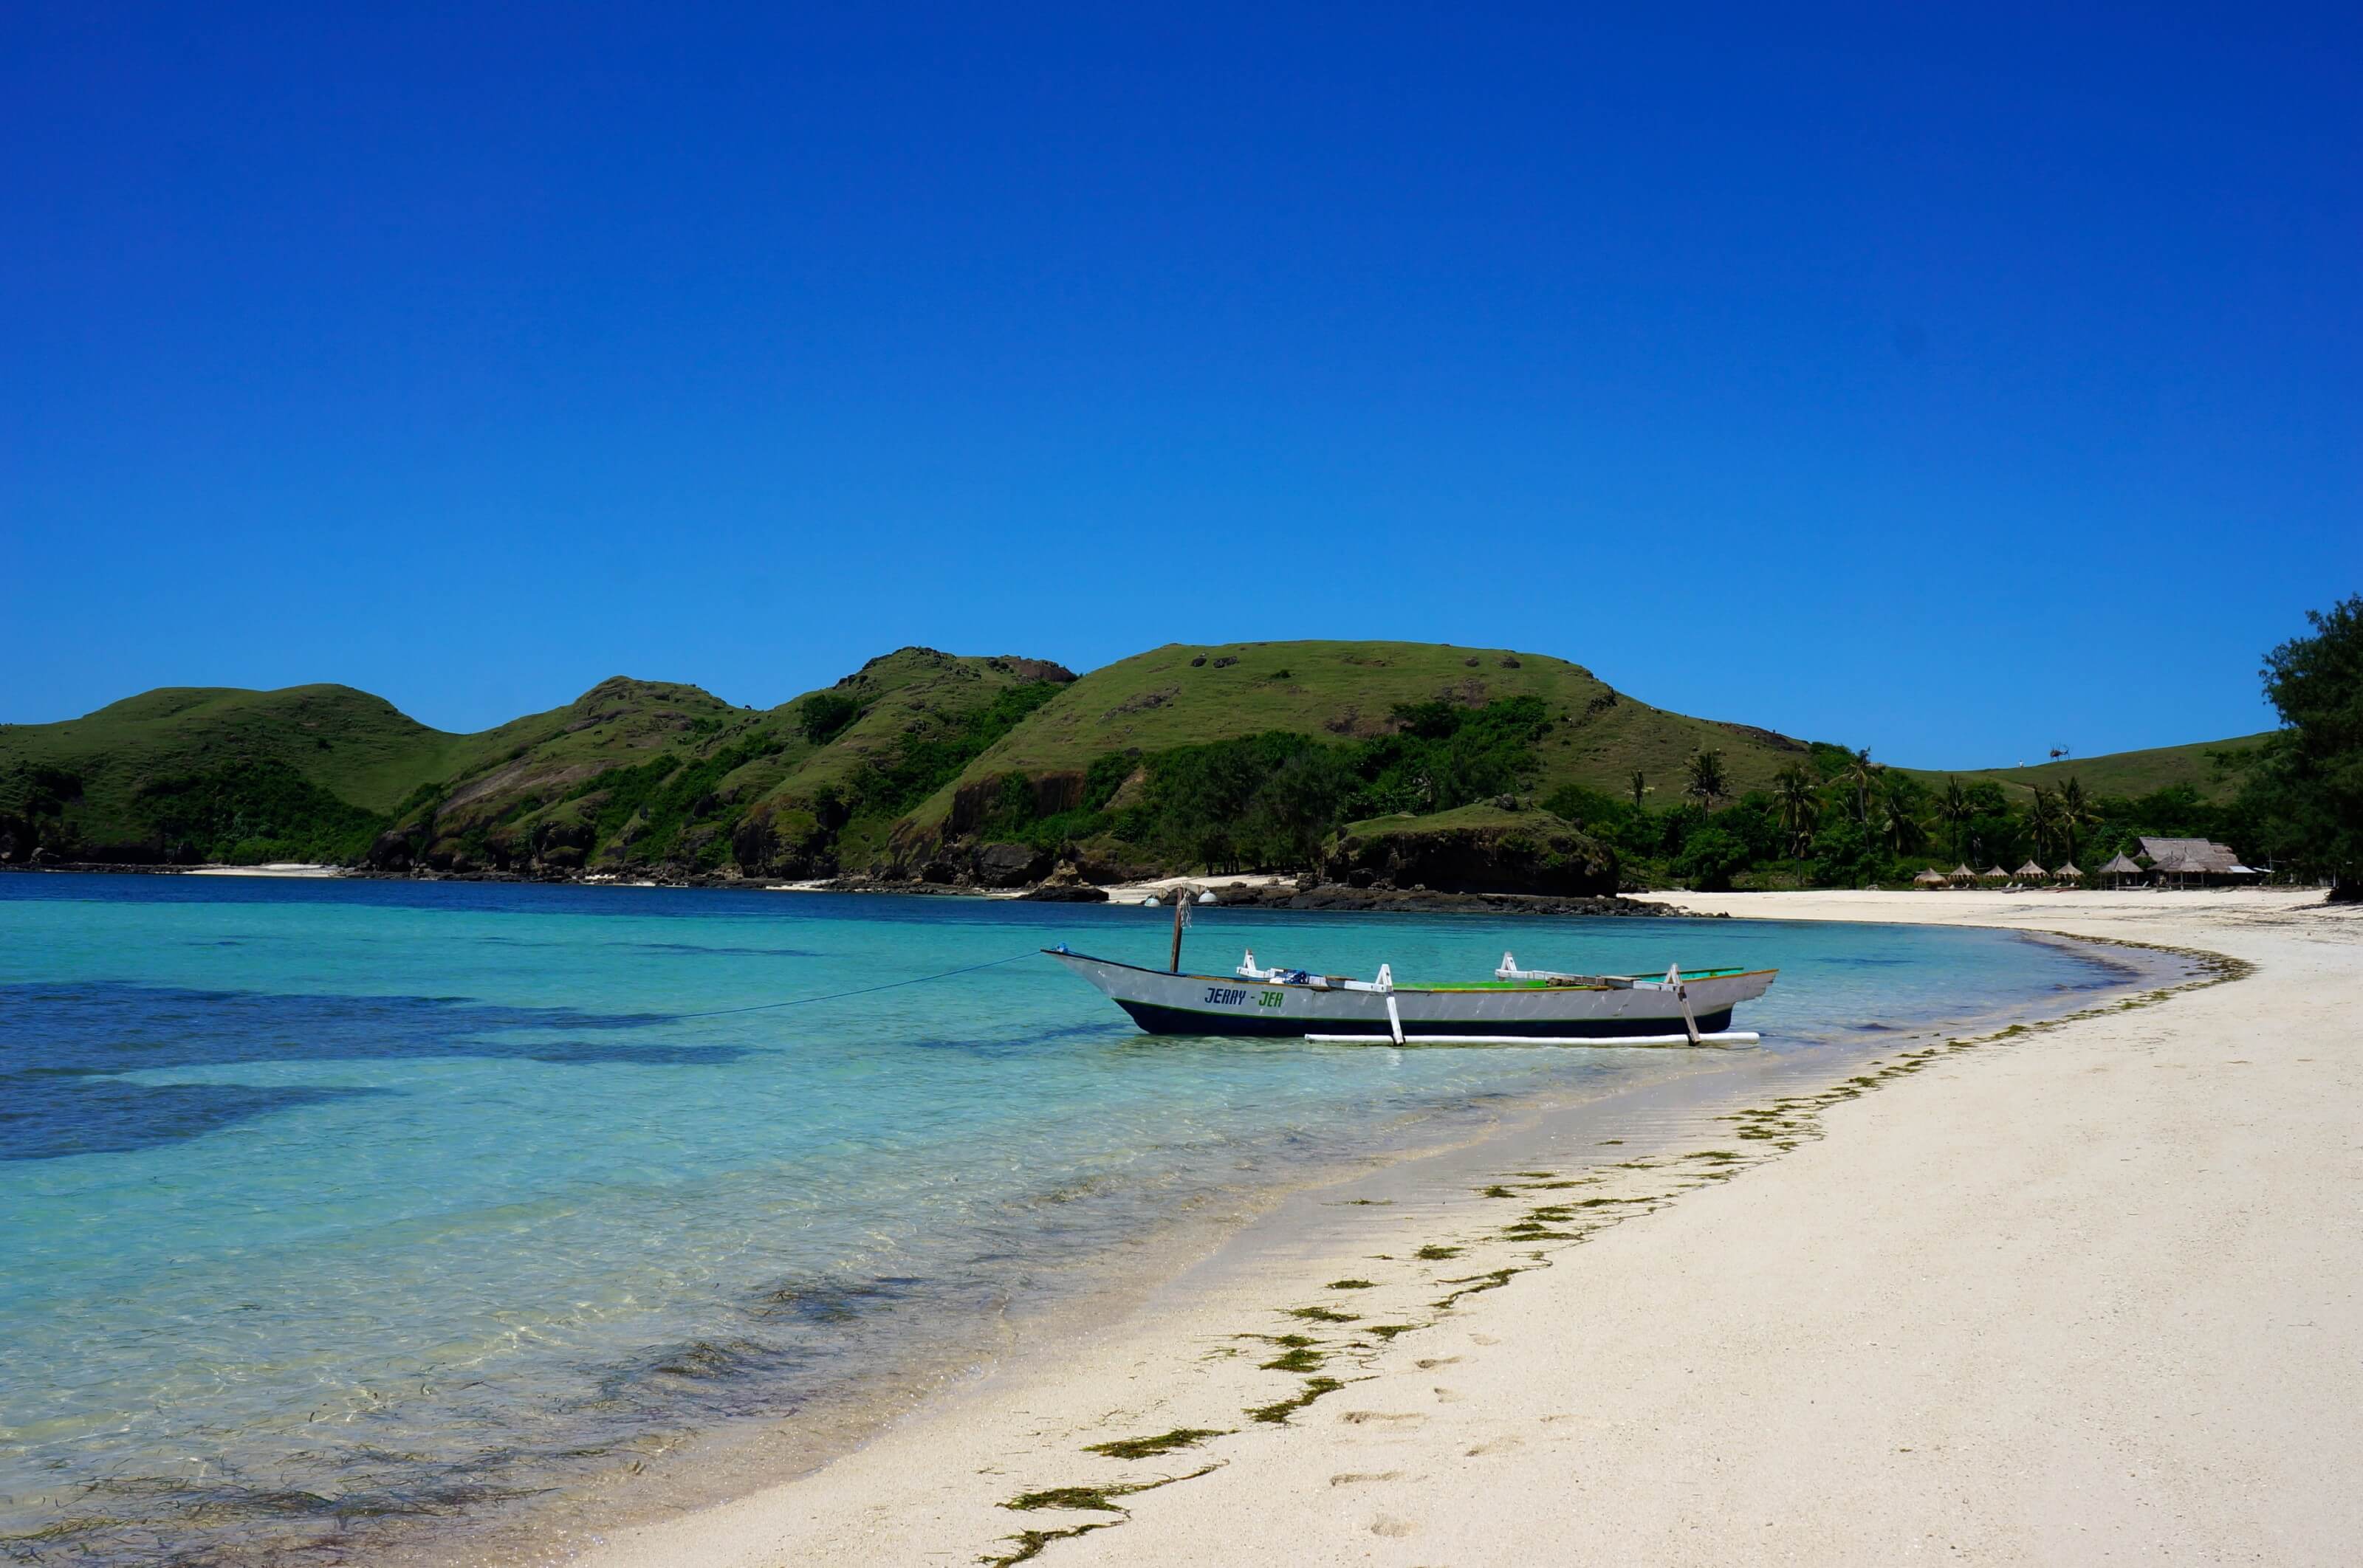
(1707, 784)
(2043, 820)
(825, 715)
(2306, 793)
(1797, 805)
(1289, 815)
(1898, 813)
(1955, 811)
(2076, 814)
(1639, 785)
(1860, 776)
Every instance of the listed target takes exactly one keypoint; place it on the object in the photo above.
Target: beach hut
(1995, 874)
(2031, 872)
(1960, 877)
(2118, 869)
(2189, 860)
(2068, 873)
(1931, 878)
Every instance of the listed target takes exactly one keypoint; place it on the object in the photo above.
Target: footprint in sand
(1357, 1477)
(1369, 1418)
(1432, 1363)
(1446, 1397)
(1385, 1526)
(1499, 1445)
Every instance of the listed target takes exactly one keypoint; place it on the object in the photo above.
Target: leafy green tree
(1585, 808)
(1710, 859)
(1706, 781)
(825, 715)
(1900, 799)
(1443, 756)
(2306, 795)
(1992, 829)
(1797, 802)
(1842, 853)
(1294, 810)
(1953, 809)
(251, 810)
(1639, 785)
(1860, 777)
(2076, 814)
(2043, 820)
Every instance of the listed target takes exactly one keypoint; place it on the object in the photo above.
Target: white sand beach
(2081, 1293)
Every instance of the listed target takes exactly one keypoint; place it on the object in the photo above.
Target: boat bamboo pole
(1725, 1037)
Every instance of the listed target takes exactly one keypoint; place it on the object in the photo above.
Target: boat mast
(1181, 919)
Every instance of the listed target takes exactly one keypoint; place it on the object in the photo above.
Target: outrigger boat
(1516, 1007)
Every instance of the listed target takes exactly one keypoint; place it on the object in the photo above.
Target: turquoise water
(325, 1203)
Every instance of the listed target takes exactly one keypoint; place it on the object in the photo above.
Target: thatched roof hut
(2119, 868)
(1931, 878)
(1960, 874)
(2031, 870)
(1995, 874)
(2186, 859)
(2068, 873)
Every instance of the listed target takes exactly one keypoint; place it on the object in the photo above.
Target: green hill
(2126, 773)
(305, 770)
(632, 774)
(1183, 695)
(358, 746)
(928, 763)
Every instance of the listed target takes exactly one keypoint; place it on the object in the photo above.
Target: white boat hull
(1642, 1010)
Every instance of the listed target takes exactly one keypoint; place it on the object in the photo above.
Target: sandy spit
(2083, 1294)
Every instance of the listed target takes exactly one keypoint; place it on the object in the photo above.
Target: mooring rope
(859, 991)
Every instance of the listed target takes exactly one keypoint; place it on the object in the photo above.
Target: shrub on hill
(1271, 801)
(248, 813)
(825, 715)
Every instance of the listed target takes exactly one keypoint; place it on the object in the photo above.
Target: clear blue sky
(1952, 387)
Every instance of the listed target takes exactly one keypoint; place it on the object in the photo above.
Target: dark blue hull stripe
(1155, 1020)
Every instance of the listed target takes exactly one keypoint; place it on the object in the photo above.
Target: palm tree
(2043, 820)
(1797, 801)
(1954, 812)
(1639, 785)
(1899, 824)
(2076, 813)
(1706, 784)
(1861, 775)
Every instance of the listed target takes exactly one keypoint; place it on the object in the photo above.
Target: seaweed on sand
(1278, 1412)
(1162, 1443)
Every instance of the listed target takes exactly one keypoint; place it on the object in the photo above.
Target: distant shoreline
(1235, 891)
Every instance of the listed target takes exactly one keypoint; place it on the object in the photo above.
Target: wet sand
(2081, 1292)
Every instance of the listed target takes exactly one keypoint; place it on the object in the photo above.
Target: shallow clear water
(331, 1200)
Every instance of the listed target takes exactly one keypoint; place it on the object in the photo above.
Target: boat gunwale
(1688, 975)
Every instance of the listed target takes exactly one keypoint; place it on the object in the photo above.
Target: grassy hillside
(303, 770)
(1184, 695)
(633, 774)
(933, 763)
(2124, 773)
(360, 747)
(637, 776)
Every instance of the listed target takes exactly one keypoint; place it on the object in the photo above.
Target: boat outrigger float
(1516, 1007)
